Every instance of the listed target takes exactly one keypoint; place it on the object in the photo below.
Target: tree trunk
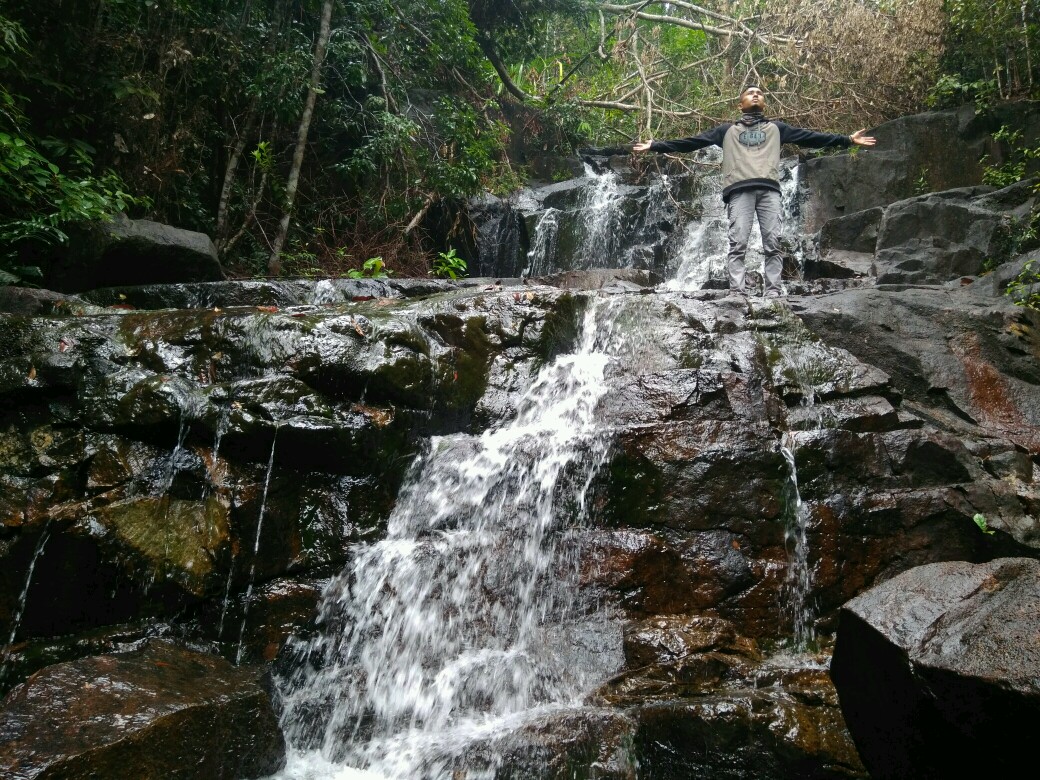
(274, 262)
(229, 176)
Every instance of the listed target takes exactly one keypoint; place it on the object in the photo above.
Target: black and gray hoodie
(751, 150)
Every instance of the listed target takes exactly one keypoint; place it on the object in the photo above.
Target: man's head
(752, 99)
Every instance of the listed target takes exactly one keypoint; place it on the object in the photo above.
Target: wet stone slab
(156, 713)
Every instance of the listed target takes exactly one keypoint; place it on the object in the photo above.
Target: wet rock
(297, 295)
(29, 301)
(178, 540)
(962, 358)
(501, 240)
(254, 627)
(23, 658)
(846, 246)
(937, 669)
(764, 733)
(157, 712)
(560, 746)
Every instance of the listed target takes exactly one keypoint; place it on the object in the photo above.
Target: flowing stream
(466, 621)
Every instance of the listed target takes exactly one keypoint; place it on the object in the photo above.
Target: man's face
(751, 99)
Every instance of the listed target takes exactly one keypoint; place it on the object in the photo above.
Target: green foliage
(38, 199)
(980, 521)
(263, 155)
(372, 268)
(1024, 289)
(950, 91)
(990, 47)
(448, 265)
(1013, 169)
(921, 185)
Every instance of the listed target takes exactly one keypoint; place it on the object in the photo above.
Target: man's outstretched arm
(712, 137)
(814, 140)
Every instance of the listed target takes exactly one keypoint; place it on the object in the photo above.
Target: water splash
(256, 551)
(325, 293)
(23, 597)
(461, 624)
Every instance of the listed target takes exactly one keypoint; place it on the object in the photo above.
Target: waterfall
(804, 367)
(462, 624)
(588, 233)
(701, 253)
(799, 573)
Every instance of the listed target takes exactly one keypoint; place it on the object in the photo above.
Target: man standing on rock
(750, 178)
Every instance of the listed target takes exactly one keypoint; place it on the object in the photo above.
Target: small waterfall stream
(19, 610)
(256, 549)
(598, 217)
(466, 620)
(701, 252)
(799, 572)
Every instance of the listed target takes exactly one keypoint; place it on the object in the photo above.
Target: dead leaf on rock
(32, 373)
(267, 308)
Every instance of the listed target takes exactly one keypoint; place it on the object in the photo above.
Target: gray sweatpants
(741, 209)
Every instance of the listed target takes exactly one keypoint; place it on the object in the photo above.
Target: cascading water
(19, 610)
(543, 246)
(600, 219)
(256, 549)
(460, 626)
(799, 572)
(595, 222)
(797, 584)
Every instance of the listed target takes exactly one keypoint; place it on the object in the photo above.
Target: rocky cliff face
(197, 462)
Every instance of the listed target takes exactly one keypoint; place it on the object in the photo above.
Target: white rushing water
(595, 221)
(467, 620)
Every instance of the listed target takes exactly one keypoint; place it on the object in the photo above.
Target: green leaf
(980, 521)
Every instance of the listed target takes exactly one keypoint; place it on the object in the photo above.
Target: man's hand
(642, 146)
(862, 140)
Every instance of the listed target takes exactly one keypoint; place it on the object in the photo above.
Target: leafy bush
(39, 200)
(1014, 168)
(1024, 289)
(448, 264)
(372, 268)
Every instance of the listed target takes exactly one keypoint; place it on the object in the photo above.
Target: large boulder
(129, 251)
(938, 670)
(928, 152)
(151, 714)
(940, 237)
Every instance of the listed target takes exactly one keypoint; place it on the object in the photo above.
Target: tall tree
(274, 262)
